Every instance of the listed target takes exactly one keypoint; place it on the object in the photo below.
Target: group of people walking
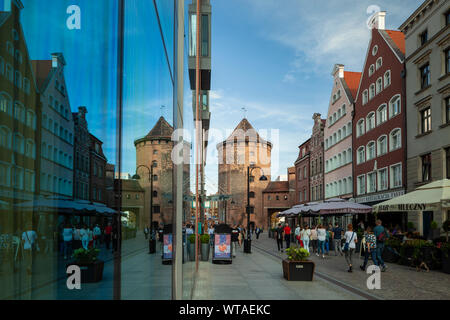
(319, 240)
(84, 236)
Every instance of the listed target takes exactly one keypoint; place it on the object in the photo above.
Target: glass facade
(88, 185)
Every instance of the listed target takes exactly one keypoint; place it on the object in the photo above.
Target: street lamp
(248, 242)
(152, 240)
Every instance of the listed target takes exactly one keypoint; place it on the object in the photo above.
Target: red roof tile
(277, 186)
(399, 38)
(352, 79)
(41, 70)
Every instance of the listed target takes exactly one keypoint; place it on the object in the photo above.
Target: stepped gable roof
(352, 80)
(245, 126)
(277, 186)
(42, 70)
(161, 130)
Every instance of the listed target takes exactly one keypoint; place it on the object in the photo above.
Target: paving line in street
(332, 280)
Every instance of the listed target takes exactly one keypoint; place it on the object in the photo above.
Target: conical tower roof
(244, 127)
(161, 131)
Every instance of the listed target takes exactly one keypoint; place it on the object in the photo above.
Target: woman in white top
(321, 236)
(351, 238)
(84, 235)
(313, 238)
(305, 234)
(297, 234)
(67, 237)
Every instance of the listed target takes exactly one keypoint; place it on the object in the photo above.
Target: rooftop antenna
(244, 110)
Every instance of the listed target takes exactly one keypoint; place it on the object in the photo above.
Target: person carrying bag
(350, 239)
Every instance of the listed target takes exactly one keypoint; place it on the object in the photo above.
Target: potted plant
(297, 267)
(425, 251)
(406, 253)
(204, 239)
(445, 255)
(411, 227)
(446, 227)
(192, 247)
(391, 252)
(435, 230)
(90, 266)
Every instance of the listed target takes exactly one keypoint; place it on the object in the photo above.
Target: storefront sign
(167, 247)
(380, 197)
(408, 207)
(222, 246)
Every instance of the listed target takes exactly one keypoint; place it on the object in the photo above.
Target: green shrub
(204, 238)
(434, 225)
(297, 254)
(410, 225)
(446, 227)
(393, 242)
(85, 256)
(191, 238)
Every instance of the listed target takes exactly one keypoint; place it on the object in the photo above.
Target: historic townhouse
(316, 173)
(302, 173)
(97, 172)
(57, 127)
(20, 109)
(338, 134)
(82, 145)
(379, 119)
(427, 37)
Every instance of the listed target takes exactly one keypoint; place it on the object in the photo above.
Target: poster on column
(222, 246)
(167, 247)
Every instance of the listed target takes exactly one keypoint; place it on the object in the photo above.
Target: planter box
(90, 272)
(406, 257)
(191, 251)
(298, 270)
(389, 254)
(446, 263)
(205, 251)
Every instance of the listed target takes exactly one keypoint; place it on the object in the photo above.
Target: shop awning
(333, 206)
(425, 198)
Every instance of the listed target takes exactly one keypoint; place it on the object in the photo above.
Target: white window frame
(387, 75)
(391, 109)
(360, 125)
(358, 157)
(368, 157)
(359, 184)
(371, 174)
(370, 121)
(391, 141)
(379, 117)
(379, 149)
(380, 187)
(379, 85)
(391, 176)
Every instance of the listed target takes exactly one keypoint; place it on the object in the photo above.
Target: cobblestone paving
(398, 282)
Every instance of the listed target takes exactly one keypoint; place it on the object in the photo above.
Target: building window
(361, 155)
(371, 182)
(447, 162)
(379, 62)
(395, 140)
(5, 104)
(423, 37)
(361, 184)
(394, 106)
(205, 35)
(447, 109)
(26, 85)
(382, 145)
(447, 18)
(155, 164)
(387, 78)
(396, 176)
(370, 150)
(10, 48)
(370, 121)
(425, 120)
(381, 114)
(360, 128)
(382, 179)
(9, 72)
(371, 70)
(426, 167)
(251, 194)
(18, 79)
(379, 85)
(371, 91)
(365, 97)
(155, 194)
(447, 61)
(425, 76)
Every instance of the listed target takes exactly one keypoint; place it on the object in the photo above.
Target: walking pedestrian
(77, 238)
(328, 240)
(97, 234)
(146, 232)
(234, 240)
(279, 232)
(337, 238)
(107, 233)
(29, 239)
(321, 237)
(84, 235)
(313, 238)
(258, 232)
(287, 235)
(305, 235)
(381, 235)
(297, 234)
(67, 240)
(211, 234)
(370, 248)
(350, 244)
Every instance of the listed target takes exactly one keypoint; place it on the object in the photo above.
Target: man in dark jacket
(279, 232)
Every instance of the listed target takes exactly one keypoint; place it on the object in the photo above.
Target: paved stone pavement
(259, 276)
(398, 282)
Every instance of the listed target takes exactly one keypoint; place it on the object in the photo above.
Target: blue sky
(272, 57)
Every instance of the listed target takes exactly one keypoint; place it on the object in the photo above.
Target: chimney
(58, 60)
(378, 21)
(82, 112)
(339, 69)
